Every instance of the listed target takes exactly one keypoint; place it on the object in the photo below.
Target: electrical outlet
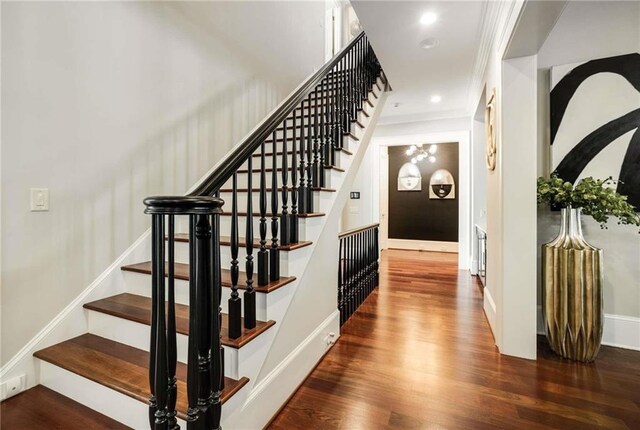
(331, 338)
(13, 386)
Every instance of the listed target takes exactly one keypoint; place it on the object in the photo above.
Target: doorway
(427, 226)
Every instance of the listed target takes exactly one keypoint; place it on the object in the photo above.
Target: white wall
(500, 240)
(106, 103)
(478, 178)
(585, 31)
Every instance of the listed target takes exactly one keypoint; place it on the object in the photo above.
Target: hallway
(419, 354)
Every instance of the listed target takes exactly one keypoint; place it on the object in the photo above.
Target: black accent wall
(412, 215)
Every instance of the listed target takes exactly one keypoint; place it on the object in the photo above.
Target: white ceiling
(395, 32)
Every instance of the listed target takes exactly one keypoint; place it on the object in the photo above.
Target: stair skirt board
(273, 391)
(251, 406)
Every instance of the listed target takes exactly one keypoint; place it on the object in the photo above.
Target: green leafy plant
(596, 197)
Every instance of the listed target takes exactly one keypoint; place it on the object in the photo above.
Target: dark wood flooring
(43, 409)
(419, 354)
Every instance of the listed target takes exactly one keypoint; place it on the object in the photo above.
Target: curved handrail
(252, 142)
(357, 230)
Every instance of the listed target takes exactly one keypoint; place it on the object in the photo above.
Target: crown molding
(493, 34)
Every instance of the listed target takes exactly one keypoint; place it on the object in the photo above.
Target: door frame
(463, 191)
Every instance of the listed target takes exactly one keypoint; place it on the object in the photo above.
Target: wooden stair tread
(226, 241)
(339, 169)
(120, 367)
(43, 408)
(182, 273)
(269, 215)
(138, 309)
(257, 190)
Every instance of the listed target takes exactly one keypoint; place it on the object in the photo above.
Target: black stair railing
(358, 257)
(296, 144)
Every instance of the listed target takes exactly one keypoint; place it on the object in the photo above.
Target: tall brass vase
(572, 291)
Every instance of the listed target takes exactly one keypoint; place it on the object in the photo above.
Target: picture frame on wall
(409, 178)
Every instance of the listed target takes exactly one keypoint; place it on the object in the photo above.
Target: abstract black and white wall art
(409, 178)
(442, 185)
(595, 122)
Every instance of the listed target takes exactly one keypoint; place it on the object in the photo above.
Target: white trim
(72, 321)
(619, 331)
(423, 245)
(464, 186)
(273, 391)
(489, 307)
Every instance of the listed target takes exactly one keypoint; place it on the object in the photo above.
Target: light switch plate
(39, 199)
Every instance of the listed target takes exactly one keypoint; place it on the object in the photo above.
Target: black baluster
(193, 411)
(310, 176)
(302, 189)
(328, 144)
(363, 81)
(172, 355)
(204, 315)
(274, 252)
(285, 230)
(249, 294)
(341, 102)
(334, 107)
(161, 373)
(316, 177)
(158, 255)
(263, 255)
(377, 254)
(217, 352)
(235, 305)
(323, 135)
(353, 107)
(293, 218)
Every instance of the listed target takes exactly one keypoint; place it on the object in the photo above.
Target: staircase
(185, 339)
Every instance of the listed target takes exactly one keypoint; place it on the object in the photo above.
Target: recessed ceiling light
(429, 43)
(436, 99)
(428, 18)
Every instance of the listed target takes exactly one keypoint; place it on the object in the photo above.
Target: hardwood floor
(419, 354)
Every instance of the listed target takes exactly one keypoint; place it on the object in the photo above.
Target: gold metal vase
(572, 291)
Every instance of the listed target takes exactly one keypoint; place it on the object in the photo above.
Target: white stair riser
(140, 284)
(118, 406)
(331, 175)
(269, 163)
(182, 256)
(100, 398)
(318, 202)
(307, 226)
(238, 362)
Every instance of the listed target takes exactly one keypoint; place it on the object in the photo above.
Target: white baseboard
(423, 245)
(273, 391)
(619, 331)
(489, 306)
(72, 320)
